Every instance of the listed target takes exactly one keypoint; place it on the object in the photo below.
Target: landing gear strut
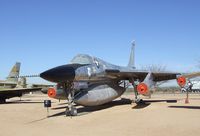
(69, 90)
(137, 99)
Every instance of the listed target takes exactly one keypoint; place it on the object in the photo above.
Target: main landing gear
(137, 99)
(69, 91)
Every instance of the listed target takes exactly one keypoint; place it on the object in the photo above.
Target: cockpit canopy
(82, 59)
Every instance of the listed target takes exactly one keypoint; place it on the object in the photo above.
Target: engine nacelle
(143, 89)
(181, 81)
(56, 93)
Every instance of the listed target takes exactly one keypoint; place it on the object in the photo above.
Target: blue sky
(45, 33)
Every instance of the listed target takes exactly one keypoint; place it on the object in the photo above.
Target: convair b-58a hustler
(90, 81)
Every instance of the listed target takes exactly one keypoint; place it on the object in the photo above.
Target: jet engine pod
(181, 81)
(56, 93)
(51, 92)
(142, 89)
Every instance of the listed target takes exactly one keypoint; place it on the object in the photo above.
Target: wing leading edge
(140, 75)
(19, 90)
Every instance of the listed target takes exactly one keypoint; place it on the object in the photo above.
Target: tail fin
(131, 63)
(14, 73)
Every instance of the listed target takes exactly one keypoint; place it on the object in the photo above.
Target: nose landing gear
(69, 91)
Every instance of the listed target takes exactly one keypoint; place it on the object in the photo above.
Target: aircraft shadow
(123, 101)
(63, 107)
(37, 120)
(23, 102)
(186, 107)
(146, 103)
(141, 105)
(154, 101)
(86, 110)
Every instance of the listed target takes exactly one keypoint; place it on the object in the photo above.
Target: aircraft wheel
(67, 113)
(72, 112)
(139, 101)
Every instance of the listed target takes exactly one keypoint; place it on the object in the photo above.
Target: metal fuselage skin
(8, 85)
(92, 86)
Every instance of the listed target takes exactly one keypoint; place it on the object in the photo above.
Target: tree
(154, 68)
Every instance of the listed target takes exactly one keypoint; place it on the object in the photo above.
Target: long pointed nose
(59, 74)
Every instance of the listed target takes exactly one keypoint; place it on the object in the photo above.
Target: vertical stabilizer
(14, 73)
(131, 63)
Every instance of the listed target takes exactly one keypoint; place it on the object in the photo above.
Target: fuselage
(7, 84)
(91, 85)
(82, 68)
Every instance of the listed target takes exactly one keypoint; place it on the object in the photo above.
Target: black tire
(139, 102)
(73, 112)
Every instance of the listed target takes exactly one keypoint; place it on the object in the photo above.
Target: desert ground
(28, 117)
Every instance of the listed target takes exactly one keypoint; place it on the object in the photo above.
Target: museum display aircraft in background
(15, 86)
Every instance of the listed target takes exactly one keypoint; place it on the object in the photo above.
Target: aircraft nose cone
(59, 74)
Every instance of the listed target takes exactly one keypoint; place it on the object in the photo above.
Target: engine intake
(56, 93)
(51, 92)
(181, 81)
(142, 89)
